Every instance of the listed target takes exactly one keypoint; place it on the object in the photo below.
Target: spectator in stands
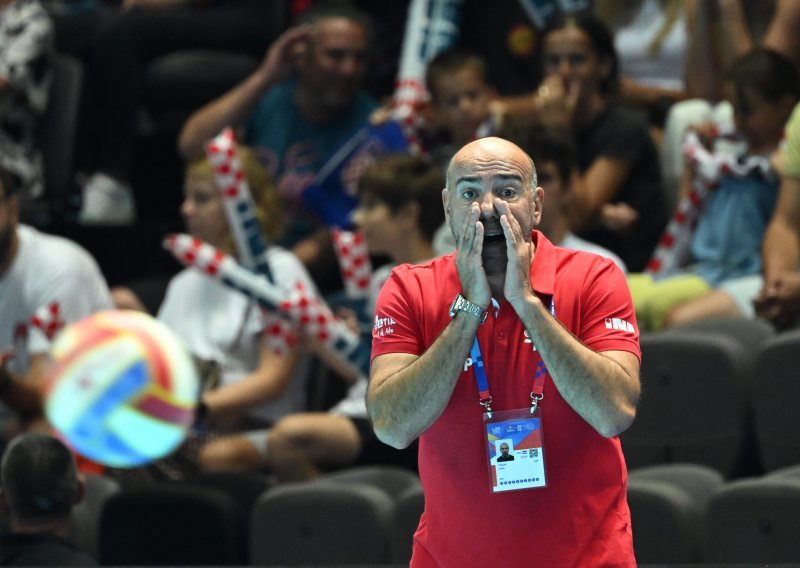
(665, 52)
(26, 43)
(736, 27)
(731, 180)
(399, 210)
(460, 94)
(40, 485)
(124, 44)
(617, 200)
(300, 107)
(38, 273)
(250, 377)
(554, 155)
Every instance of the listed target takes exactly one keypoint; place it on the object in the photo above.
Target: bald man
(509, 337)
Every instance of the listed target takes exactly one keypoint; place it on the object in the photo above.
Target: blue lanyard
(485, 396)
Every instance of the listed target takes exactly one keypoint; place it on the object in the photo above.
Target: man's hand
(469, 246)
(517, 286)
(618, 217)
(278, 63)
(556, 102)
(779, 300)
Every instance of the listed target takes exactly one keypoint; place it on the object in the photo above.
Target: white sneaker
(107, 201)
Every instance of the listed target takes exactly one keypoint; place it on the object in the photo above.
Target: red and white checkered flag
(280, 335)
(431, 27)
(709, 167)
(351, 250)
(311, 314)
(48, 319)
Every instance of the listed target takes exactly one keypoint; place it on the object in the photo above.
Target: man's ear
(538, 204)
(445, 200)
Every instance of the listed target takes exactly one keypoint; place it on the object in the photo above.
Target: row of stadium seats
(363, 515)
(687, 514)
(681, 513)
(720, 394)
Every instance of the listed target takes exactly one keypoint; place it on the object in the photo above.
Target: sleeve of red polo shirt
(608, 318)
(397, 325)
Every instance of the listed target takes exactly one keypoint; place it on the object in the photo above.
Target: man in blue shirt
(301, 106)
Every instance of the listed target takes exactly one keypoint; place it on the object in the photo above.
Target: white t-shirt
(573, 242)
(665, 67)
(46, 270)
(218, 323)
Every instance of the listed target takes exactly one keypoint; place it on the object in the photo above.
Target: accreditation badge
(515, 449)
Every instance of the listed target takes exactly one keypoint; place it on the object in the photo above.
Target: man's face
(335, 62)
(484, 172)
(504, 449)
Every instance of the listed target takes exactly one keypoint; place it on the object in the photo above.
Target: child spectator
(730, 179)
(248, 384)
(399, 210)
(460, 94)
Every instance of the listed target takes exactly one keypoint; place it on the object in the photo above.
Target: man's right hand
(469, 262)
(278, 64)
(779, 300)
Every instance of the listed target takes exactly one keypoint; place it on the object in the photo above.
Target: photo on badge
(515, 451)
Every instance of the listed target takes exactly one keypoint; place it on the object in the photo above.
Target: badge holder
(515, 449)
(514, 441)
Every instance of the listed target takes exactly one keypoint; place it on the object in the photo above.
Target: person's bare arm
(233, 108)
(783, 33)
(603, 388)
(407, 393)
(597, 186)
(267, 382)
(779, 299)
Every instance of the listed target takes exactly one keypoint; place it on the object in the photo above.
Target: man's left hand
(520, 253)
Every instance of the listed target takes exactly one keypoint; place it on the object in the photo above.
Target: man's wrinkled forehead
(493, 170)
(495, 158)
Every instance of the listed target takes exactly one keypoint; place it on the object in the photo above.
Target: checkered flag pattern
(431, 27)
(221, 152)
(351, 250)
(48, 319)
(238, 203)
(280, 335)
(709, 167)
(300, 307)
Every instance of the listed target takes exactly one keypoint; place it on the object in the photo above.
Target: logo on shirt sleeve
(383, 326)
(620, 324)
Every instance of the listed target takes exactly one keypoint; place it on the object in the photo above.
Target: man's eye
(468, 194)
(506, 193)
